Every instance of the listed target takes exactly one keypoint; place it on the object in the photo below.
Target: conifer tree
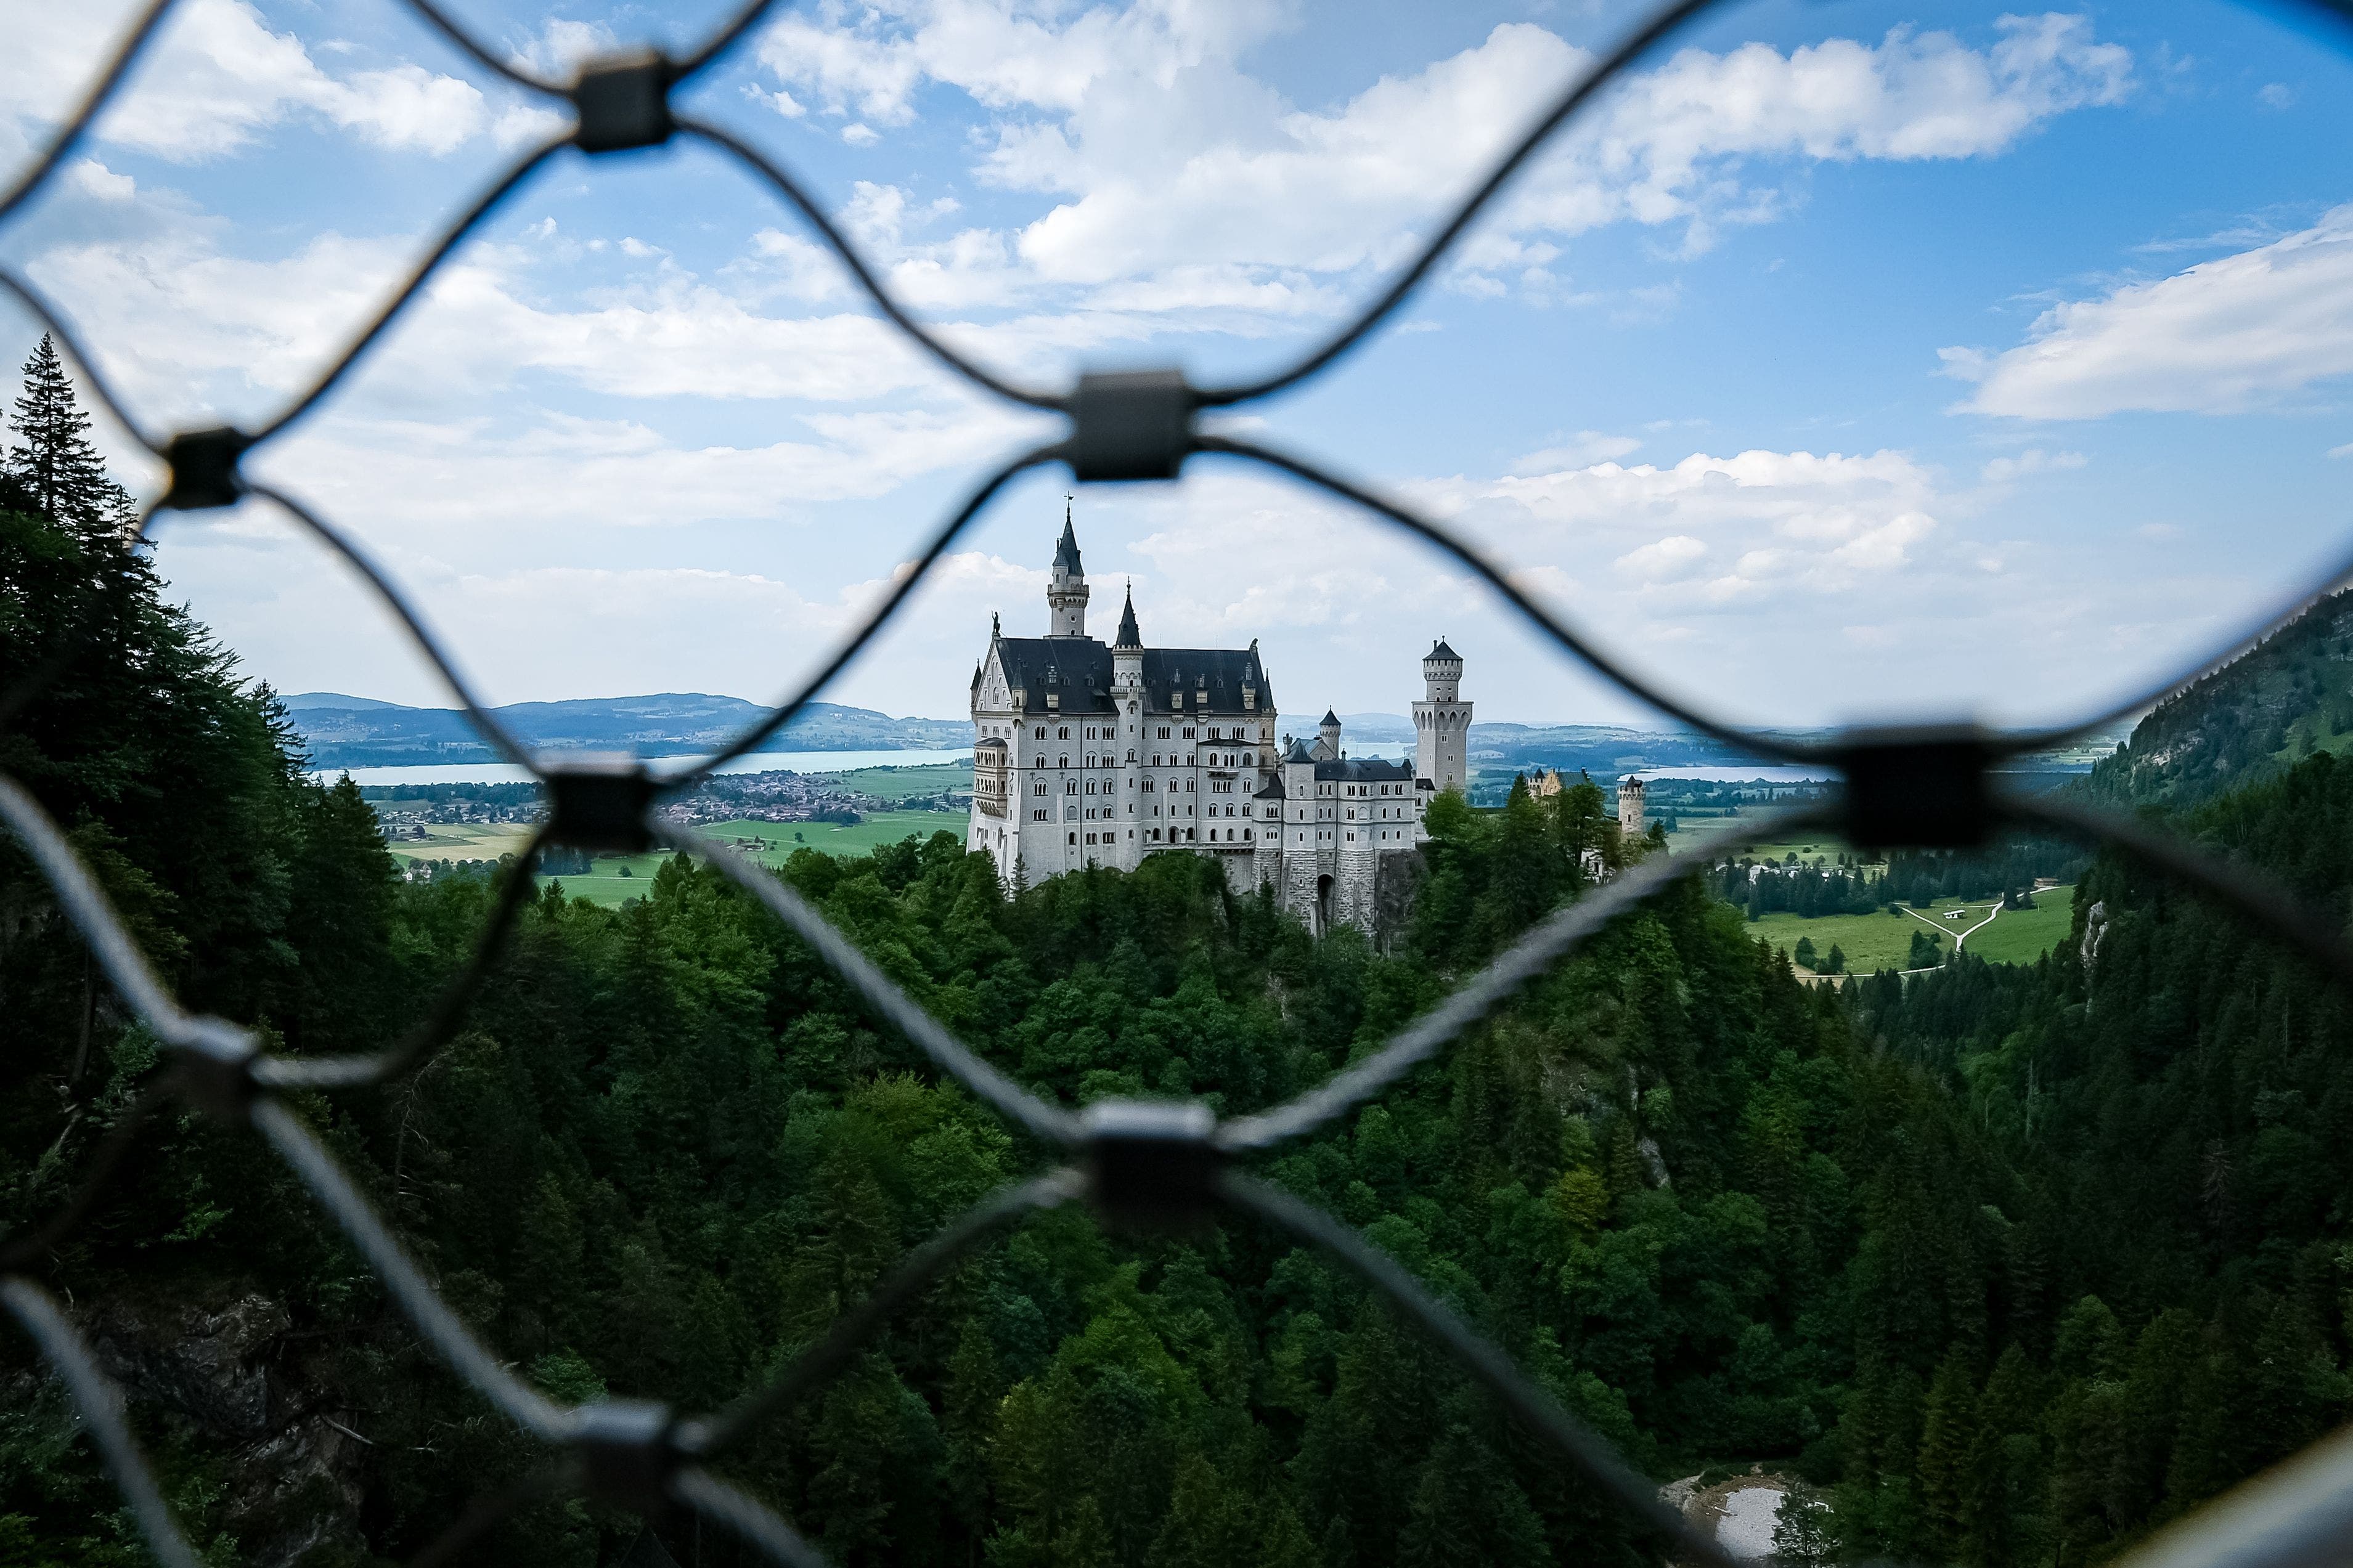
(53, 462)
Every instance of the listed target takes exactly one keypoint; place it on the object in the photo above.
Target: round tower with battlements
(1630, 806)
(1441, 721)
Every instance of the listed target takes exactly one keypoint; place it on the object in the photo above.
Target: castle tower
(1328, 737)
(1442, 722)
(1127, 652)
(1629, 807)
(1066, 586)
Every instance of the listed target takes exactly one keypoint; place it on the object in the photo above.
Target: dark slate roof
(1300, 751)
(1331, 718)
(1066, 554)
(1128, 636)
(1273, 790)
(1364, 770)
(1080, 670)
(1439, 650)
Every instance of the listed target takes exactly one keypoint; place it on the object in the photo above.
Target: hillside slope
(2285, 698)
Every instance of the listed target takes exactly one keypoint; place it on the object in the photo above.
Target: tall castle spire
(1066, 585)
(1128, 634)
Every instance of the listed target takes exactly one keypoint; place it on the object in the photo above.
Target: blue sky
(1848, 361)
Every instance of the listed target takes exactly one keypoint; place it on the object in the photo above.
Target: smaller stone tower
(1066, 586)
(1328, 737)
(1629, 807)
(1441, 721)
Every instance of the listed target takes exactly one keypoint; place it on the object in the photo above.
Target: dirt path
(1993, 912)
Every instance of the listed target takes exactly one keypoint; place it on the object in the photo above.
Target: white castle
(1088, 755)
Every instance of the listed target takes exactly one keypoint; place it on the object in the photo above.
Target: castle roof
(1331, 718)
(1273, 790)
(1439, 650)
(1364, 770)
(1079, 671)
(1128, 636)
(1066, 554)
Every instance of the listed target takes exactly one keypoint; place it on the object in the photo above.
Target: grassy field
(1869, 941)
(464, 841)
(778, 839)
(2022, 936)
(1882, 941)
(898, 783)
(1690, 830)
(607, 885)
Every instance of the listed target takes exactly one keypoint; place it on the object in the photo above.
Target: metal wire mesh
(1131, 1161)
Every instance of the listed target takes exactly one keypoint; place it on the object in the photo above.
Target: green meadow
(618, 879)
(1883, 940)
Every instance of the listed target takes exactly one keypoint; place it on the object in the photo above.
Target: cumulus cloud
(1671, 557)
(2221, 337)
(218, 78)
(1173, 163)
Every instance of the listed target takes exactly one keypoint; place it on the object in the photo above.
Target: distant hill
(342, 731)
(2287, 698)
(1603, 749)
(303, 699)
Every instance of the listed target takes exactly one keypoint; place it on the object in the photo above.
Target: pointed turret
(1328, 737)
(1066, 585)
(1127, 655)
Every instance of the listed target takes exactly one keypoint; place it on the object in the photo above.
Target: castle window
(1189, 731)
(1163, 731)
(1063, 733)
(1074, 838)
(1246, 835)
(1042, 733)
(1062, 762)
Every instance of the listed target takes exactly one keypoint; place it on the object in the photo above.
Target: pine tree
(1949, 1436)
(56, 466)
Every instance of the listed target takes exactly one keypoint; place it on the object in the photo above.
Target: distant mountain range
(342, 732)
(2289, 696)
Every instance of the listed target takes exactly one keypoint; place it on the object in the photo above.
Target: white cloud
(218, 78)
(562, 47)
(1673, 556)
(2222, 336)
(2344, 451)
(1174, 163)
(208, 330)
(1781, 520)
(1575, 451)
(2278, 94)
(2033, 460)
(861, 135)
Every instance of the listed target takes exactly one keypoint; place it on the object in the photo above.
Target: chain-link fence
(1137, 1163)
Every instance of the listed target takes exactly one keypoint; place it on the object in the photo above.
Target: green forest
(2014, 1263)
